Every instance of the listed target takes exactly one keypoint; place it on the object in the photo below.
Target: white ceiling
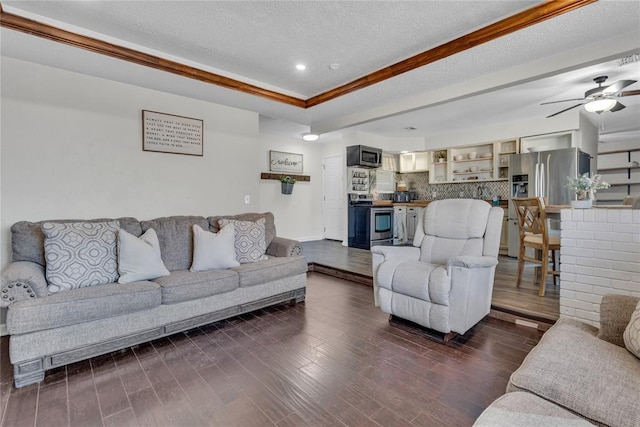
(259, 42)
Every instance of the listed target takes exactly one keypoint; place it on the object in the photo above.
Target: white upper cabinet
(415, 162)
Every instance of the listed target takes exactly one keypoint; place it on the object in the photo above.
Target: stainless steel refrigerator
(542, 174)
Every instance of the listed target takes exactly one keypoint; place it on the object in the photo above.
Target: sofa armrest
(615, 314)
(407, 252)
(22, 280)
(282, 247)
(473, 262)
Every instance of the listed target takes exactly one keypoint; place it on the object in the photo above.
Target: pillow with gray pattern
(250, 239)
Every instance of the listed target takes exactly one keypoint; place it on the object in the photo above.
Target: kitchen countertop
(422, 203)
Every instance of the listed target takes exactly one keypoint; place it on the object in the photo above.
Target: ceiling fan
(601, 98)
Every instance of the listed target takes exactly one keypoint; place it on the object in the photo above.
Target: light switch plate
(247, 199)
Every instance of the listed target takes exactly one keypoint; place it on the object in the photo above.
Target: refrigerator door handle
(535, 181)
(547, 182)
(542, 186)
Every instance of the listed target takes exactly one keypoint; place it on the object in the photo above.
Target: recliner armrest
(22, 280)
(473, 262)
(283, 247)
(405, 252)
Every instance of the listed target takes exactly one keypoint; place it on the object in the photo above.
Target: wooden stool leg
(520, 265)
(543, 273)
(553, 262)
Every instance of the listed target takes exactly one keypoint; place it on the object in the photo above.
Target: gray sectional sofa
(576, 375)
(50, 330)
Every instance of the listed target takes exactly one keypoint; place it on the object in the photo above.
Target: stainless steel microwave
(360, 155)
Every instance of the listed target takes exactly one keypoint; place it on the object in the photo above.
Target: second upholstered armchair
(445, 281)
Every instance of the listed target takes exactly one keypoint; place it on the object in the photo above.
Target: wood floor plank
(333, 360)
(21, 407)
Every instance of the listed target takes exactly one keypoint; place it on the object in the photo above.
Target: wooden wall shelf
(277, 176)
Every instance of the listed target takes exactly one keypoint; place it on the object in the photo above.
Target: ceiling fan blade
(630, 92)
(617, 107)
(563, 100)
(617, 86)
(566, 109)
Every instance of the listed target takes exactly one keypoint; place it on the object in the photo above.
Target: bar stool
(534, 234)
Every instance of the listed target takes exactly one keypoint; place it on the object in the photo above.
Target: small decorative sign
(167, 133)
(285, 162)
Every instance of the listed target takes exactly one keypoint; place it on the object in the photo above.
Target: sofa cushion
(27, 239)
(80, 254)
(573, 368)
(213, 251)
(269, 224)
(632, 333)
(139, 257)
(527, 410)
(250, 241)
(81, 305)
(175, 234)
(185, 285)
(273, 268)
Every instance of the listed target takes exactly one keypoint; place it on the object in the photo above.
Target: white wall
(299, 215)
(71, 148)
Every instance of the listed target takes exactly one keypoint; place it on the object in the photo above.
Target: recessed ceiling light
(310, 136)
(301, 67)
(334, 66)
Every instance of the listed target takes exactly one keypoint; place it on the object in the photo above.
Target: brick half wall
(599, 254)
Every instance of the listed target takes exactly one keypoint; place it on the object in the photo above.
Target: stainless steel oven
(381, 226)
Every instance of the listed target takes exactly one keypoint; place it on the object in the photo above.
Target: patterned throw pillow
(250, 240)
(632, 333)
(80, 254)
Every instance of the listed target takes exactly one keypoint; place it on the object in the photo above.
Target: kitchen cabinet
(474, 163)
(480, 162)
(389, 162)
(413, 213)
(414, 162)
(504, 237)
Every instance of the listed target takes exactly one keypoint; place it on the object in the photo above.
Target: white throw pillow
(250, 239)
(632, 333)
(213, 251)
(139, 257)
(80, 254)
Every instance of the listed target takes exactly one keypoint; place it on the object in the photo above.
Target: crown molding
(534, 15)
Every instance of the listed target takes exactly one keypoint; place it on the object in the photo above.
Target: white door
(334, 203)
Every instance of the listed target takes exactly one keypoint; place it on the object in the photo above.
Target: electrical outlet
(247, 199)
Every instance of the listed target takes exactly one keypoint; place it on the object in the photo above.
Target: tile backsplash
(419, 182)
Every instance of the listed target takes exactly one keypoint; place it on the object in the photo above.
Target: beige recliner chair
(445, 281)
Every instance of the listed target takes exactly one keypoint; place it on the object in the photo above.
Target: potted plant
(286, 183)
(441, 156)
(585, 188)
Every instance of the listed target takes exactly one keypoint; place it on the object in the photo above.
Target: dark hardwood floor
(333, 360)
(330, 257)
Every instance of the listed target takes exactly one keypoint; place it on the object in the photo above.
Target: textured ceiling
(260, 42)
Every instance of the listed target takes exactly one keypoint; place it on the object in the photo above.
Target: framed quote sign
(167, 133)
(285, 162)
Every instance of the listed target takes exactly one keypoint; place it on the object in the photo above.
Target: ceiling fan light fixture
(600, 105)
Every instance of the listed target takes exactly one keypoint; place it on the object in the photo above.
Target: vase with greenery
(286, 183)
(441, 156)
(585, 188)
